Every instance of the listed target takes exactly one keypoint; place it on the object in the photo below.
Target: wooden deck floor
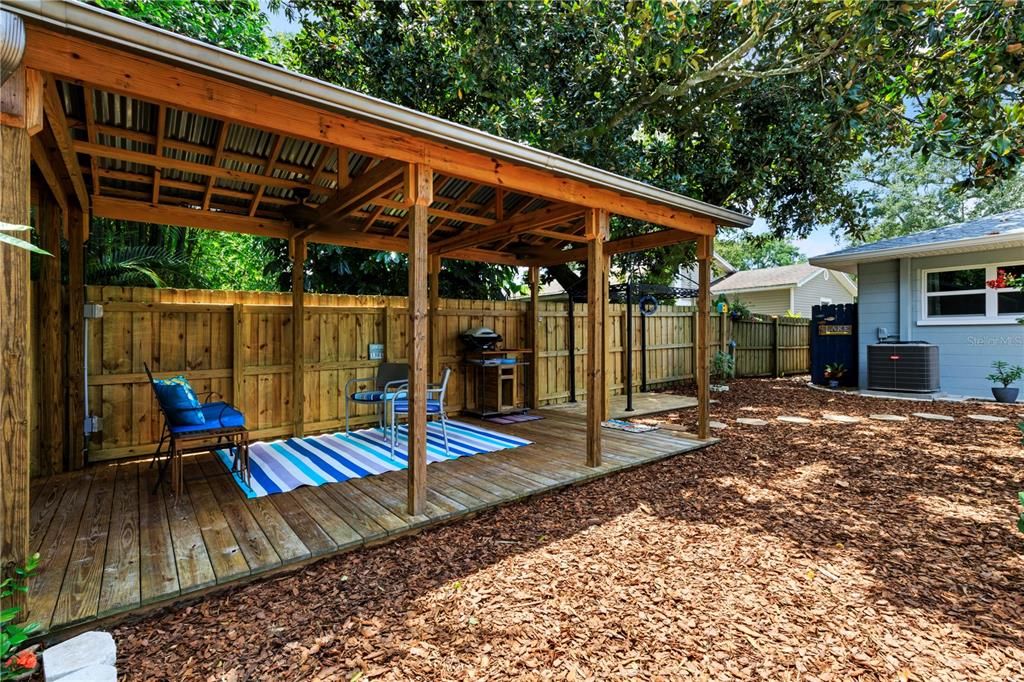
(109, 546)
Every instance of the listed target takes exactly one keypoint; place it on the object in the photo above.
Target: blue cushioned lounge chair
(391, 376)
(185, 432)
(399, 405)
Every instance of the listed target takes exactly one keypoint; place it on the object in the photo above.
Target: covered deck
(103, 117)
(113, 547)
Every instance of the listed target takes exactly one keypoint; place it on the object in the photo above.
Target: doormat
(513, 418)
(628, 427)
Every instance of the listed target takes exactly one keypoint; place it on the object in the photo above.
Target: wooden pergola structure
(106, 117)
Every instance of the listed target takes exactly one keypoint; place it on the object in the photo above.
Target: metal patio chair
(399, 405)
(390, 377)
(223, 423)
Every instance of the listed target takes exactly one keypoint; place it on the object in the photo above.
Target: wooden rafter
(161, 124)
(548, 216)
(43, 160)
(188, 186)
(560, 236)
(90, 131)
(268, 170)
(54, 111)
(211, 179)
(373, 218)
(383, 178)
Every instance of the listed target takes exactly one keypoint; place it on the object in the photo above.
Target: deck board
(110, 545)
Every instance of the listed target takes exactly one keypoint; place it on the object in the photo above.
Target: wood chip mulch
(829, 551)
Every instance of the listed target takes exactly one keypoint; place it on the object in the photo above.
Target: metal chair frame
(440, 390)
(387, 387)
(202, 440)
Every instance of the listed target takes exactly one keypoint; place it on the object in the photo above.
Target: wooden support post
(49, 365)
(78, 227)
(298, 249)
(419, 191)
(776, 350)
(606, 404)
(238, 357)
(705, 245)
(597, 313)
(532, 322)
(15, 399)
(434, 267)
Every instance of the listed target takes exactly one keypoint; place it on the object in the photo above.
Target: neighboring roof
(995, 231)
(782, 277)
(105, 27)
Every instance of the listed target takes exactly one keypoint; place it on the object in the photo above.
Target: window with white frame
(963, 294)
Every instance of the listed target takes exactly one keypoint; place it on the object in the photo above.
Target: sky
(818, 242)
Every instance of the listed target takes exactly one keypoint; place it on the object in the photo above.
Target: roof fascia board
(848, 262)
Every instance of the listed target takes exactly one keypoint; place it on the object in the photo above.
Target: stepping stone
(717, 425)
(85, 651)
(889, 418)
(92, 673)
(934, 417)
(794, 420)
(749, 421)
(758, 409)
(841, 418)
(987, 418)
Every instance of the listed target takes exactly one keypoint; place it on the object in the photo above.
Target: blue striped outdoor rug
(283, 465)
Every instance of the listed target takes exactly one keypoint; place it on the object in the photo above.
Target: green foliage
(752, 252)
(1005, 373)
(903, 195)
(236, 25)
(723, 367)
(835, 370)
(737, 309)
(13, 634)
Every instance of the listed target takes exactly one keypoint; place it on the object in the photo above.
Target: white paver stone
(92, 673)
(841, 418)
(717, 425)
(794, 420)
(987, 418)
(88, 649)
(889, 418)
(750, 421)
(934, 417)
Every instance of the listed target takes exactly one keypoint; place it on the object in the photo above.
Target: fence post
(776, 353)
(237, 357)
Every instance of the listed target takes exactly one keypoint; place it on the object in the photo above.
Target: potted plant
(723, 368)
(834, 371)
(1005, 374)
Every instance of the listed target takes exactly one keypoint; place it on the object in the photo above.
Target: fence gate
(834, 339)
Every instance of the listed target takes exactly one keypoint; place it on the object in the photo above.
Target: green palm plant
(19, 243)
(133, 266)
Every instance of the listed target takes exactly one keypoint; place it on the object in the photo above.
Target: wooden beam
(298, 253)
(33, 101)
(54, 111)
(532, 322)
(563, 236)
(548, 216)
(268, 170)
(642, 242)
(90, 129)
(161, 125)
(122, 209)
(78, 221)
(383, 178)
(419, 189)
(705, 248)
(211, 180)
(85, 60)
(15, 380)
(434, 271)
(597, 313)
(49, 342)
(41, 158)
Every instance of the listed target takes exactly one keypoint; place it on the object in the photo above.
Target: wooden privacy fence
(239, 344)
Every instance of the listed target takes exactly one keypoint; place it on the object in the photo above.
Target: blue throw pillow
(179, 401)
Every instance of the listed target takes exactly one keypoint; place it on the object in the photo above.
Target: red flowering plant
(14, 663)
(1007, 280)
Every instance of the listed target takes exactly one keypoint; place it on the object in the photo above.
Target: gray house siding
(966, 351)
(878, 305)
(810, 294)
(775, 302)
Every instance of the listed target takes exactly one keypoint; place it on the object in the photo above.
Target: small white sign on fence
(376, 351)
